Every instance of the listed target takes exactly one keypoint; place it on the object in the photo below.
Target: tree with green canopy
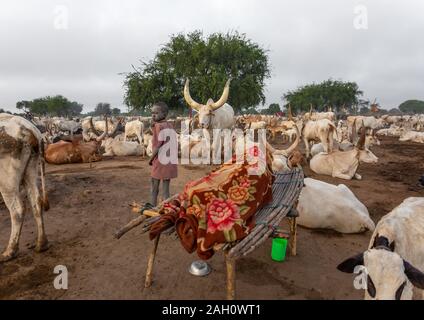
(102, 108)
(208, 62)
(330, 93)
(116, 111)
(412, 106)
(55, 106)
(272, 109)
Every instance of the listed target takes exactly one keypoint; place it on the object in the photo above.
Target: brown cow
(76, 150)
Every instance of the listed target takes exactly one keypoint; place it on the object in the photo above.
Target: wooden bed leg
(231, 277)
(293, 236)
(150, 263)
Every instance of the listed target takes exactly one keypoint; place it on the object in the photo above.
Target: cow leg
(342, 176)
(35, 202)
(330, 142)
(306, 147)
(13, 196)
(14, 201)
(357, 176)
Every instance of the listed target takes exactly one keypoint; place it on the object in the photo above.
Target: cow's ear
(349, 264)
(414, 275)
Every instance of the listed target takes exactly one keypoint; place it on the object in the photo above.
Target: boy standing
(164, 172)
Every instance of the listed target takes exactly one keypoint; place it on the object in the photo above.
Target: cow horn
(115, 130)
(224, 97)
(104, 134)
(192, 104)
(290, 113)
(290, 149)
(92, 127)
(361, 141)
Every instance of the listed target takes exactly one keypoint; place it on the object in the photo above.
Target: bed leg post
(150, 263)
(231, 277)
(293, 236)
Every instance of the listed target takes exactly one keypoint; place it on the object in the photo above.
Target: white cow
(343, 165)
(326, 206)
(321, 130)
(345, 145)
(21, 160)
(213, 115)
(115, 147)
(134, 128)
(413, 136)
(394, 261)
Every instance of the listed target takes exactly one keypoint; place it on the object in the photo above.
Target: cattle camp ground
(211, 151)
(90, 201)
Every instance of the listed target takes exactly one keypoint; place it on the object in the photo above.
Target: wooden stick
(259, 242)
(293, 236)
(150, 263)
(231, 277)
(132, 224)
(139, 220)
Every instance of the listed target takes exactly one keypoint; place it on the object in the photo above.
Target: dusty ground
(89, 204)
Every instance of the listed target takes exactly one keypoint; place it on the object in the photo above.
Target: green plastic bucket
(278, 250)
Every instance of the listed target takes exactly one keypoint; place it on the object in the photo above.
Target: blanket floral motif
(217, 208)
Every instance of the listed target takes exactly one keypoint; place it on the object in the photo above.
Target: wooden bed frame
(286, 189)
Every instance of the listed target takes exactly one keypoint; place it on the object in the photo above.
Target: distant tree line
(53, 106)
(62, 107)
(337, 94)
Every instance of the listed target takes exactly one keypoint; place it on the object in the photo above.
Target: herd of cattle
(338, 148)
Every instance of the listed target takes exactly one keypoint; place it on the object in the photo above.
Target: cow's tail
(45, 200)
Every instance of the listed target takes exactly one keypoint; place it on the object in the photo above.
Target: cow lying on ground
(413, 136)
(75, 150)
(326, 206)
(114, 147)
(344, 164)
(394, 260)
(21, 160)
(345, 145)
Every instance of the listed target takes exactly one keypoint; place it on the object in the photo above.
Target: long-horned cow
(76, 150)
(212, 115)
(21, 160)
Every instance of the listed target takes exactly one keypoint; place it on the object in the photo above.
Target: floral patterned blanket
(217, 208)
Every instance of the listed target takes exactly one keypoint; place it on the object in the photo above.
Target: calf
(394, 261)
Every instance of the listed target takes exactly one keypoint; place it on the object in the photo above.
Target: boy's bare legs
(165, 186)
(155, 191)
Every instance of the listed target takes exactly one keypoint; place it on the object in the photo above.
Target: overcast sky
(308, 41)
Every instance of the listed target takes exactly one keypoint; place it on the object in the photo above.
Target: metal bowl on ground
(199, 268)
